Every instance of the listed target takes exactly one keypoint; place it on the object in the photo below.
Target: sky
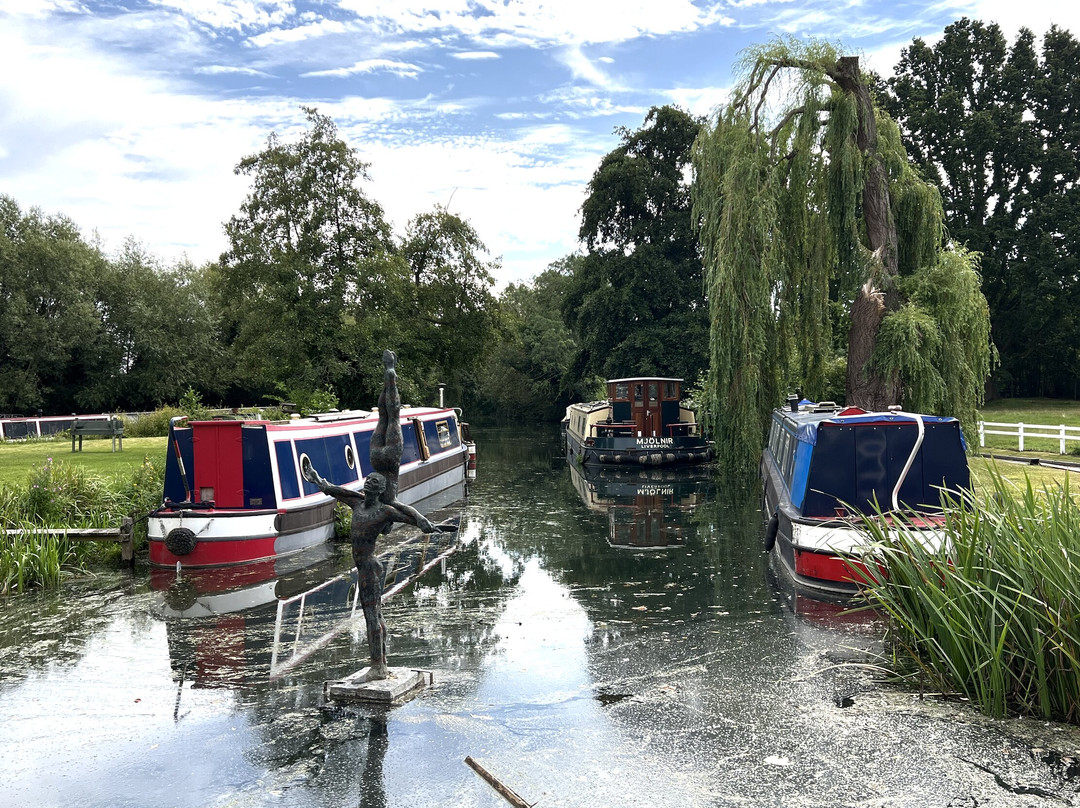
(130, 116)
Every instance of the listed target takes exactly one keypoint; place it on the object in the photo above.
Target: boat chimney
(793, 403)
(442, 386)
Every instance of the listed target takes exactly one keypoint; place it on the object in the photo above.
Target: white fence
(1061, 433)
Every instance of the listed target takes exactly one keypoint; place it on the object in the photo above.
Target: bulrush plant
(994, 614)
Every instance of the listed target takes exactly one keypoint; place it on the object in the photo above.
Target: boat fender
(770, 532)
(180, 541)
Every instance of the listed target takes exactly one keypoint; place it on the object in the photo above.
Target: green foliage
(635, 301)
(995, 613)
(993, 126)
(526, 377)
(451, 316)
(302, 249)
(782, 191)
(152, 424)
(313, 401)
(32, 558)
(57, 494)
(940, 339)
(50, 328)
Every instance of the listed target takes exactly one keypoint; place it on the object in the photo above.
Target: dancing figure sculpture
(374, 512)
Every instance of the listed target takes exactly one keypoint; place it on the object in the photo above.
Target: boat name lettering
(655, 490)
(647, 443)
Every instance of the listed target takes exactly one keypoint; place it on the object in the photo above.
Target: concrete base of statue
(400, 686)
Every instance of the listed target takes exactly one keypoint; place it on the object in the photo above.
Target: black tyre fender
(770, 532)
(180, 541)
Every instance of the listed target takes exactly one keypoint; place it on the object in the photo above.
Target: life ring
(180, 541)
(771, 531)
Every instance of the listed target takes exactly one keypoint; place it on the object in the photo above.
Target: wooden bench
(112, 428)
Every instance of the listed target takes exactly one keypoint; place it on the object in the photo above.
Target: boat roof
(643, 379)
(588, 406)
(811, 416)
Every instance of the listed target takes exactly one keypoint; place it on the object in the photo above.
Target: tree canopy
(635, 302)
(808, 203)
(996, 128)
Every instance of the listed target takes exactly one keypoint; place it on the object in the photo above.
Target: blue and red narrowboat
(825, 468)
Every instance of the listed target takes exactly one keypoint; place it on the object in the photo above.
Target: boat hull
(631, 451)
(821, 556)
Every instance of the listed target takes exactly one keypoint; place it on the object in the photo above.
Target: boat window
(443, 430)
(350, 458)
(639, 393)
(653, 393)
(622, 391)
(671, 390)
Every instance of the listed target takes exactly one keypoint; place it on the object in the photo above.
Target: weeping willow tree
(807, 206)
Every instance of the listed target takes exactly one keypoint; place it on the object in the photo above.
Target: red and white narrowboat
(234, 493)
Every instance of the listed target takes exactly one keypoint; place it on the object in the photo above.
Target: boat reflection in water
(819, 620)
(258, 621)
(645, 508)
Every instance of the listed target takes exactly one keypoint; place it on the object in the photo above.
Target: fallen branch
(507, 793)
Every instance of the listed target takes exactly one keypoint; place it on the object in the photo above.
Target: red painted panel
(826, 567)
(219, 461)
(215, 553)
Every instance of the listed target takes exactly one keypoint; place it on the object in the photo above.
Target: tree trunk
(868, 387)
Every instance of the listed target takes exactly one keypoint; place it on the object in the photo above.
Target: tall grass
(57, 494)
(994, 614)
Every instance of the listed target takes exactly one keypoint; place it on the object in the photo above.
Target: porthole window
(305, 464)
(350, 457)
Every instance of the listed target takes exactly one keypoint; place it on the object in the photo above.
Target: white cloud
(232, 14)
(551, 22)
(403, 69)
(300, 33)
(476, 55)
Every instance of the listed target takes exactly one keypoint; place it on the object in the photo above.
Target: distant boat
(642, 423)
(234, 493)
(824, 467)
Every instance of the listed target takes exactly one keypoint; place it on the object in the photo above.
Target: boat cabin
(830, 459)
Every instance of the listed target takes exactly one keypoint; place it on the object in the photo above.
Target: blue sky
(129, 116)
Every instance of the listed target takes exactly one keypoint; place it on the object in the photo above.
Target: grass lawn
(1044, 411)
(17, 458)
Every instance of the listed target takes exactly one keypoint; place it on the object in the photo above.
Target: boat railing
(613, 429)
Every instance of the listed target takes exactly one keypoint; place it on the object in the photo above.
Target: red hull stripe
(214, 553)
(825, 567)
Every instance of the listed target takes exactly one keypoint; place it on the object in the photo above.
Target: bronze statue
(374, 512)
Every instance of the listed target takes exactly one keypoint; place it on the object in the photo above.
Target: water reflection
(645, 508)
(577, 670)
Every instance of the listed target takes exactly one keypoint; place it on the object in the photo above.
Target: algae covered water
(595, 639)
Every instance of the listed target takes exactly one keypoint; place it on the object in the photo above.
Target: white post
(1062, 439)
(982, 434)
(1021, 433)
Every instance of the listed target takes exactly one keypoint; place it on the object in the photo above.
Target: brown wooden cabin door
(645, 406)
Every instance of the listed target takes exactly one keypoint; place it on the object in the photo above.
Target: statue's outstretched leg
(370, 572)
(387, 441)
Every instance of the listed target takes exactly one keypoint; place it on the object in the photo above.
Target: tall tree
(160, 334)
(636, 303)
(301, 249)
(524, 376)
(51, 332)
(996, 128)
(803, 190)
(454, 315)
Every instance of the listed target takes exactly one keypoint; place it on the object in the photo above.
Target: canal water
(595, 640)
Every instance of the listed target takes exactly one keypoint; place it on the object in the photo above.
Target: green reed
(994, 614)
(57, 494)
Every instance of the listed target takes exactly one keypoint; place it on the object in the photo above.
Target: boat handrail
(911, 457)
